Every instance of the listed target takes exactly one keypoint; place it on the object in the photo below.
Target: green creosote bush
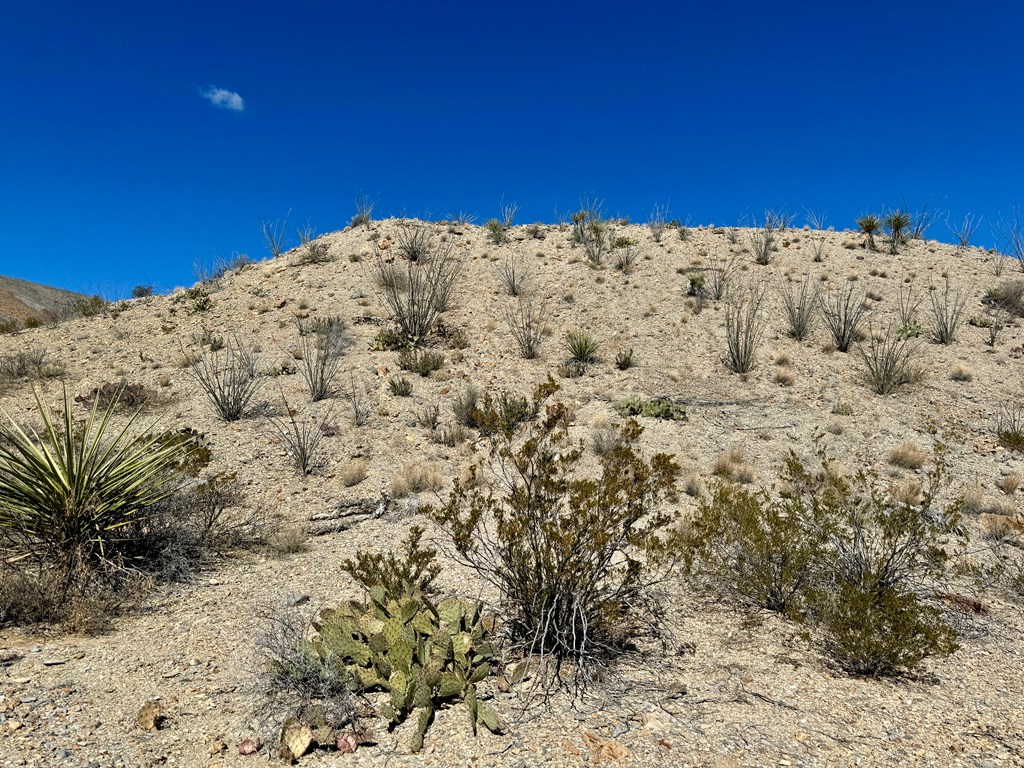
(855, 562)
(414, 566)
(571, 556)
(655, 408)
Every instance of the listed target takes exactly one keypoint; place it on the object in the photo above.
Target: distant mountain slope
(20, 299)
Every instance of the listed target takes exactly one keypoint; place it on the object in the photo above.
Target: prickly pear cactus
(423, 656)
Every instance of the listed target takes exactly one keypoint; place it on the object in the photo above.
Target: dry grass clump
(1009, 296)
(784, 377)
(732, 465)
(907, 456)
(31, 365)
(962, 373)
(416, 477)
(354, 472)
(1009, 484)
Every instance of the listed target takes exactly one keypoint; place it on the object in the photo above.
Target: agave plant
(66, 494)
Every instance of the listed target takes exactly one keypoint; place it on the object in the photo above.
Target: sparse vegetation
(582, 346)
(843, 310)
(229, 377)
(301, 438)
(312, 249)
(801, 304)
(1010, 426)
(591, 232)
(274, 234)
(869, 225)
(890, 360)
(947, 311)
(513, 275)
(526, 324)
(744, 326)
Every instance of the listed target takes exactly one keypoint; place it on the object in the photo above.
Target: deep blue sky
(119, 168)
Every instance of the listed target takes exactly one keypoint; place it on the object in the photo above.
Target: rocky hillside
(725, 684)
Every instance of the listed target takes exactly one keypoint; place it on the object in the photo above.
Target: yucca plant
(582, 346)
(870, 226)
(66, 494)
(897, 222)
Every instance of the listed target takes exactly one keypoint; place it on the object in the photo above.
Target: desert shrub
(766, 551)
(720, 272)
(764, 240)
(508, 213)
(230, 379)
(503, 413)
(733, 466)
(1010, 426)
(890, 361)
(624, 359)
(273, 233)
(122, 394)
(570, 556)
(417, 290)
(142, 291)
(908, 326)
(908, 456)
(320, 363)
(947, 311)
(744, 326)
(415, 567)
(301, 438)
(414, 243)
(526, 324)
(496, 232)
(428, 416)
(364, 211)
(513, 274)
(581, 346)
(359, 403)
(1009, 296)
(625, 259)
(657, 221)
(312, 249)
(68, 494)
(465, 407)
(31, 365)
(416, 477)
(421, 361)
(654, 408)
(9, 325)
(801, 305)
(400, 386)
(843, 310)
(869, 225)
(591, 231)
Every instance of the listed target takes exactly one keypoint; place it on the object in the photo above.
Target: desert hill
(724, 685)
(21, 300)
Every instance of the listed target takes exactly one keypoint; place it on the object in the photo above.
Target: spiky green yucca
(65, 494)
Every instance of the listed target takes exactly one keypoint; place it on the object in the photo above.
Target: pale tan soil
(754, 691)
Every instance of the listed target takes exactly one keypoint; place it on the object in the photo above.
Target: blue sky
(138, 139)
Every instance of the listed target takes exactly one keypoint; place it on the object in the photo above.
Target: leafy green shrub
(571, 556)
(414, 567)
(67, 495)
(424, 656)
(655, 408)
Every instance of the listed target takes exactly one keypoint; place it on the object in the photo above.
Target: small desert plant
(312, 249)
(1008, 296)
(964, 232)
(624, 359)
(526, 324)
(625, 259)
(744, 326)
(818, 224)
(890, 360)
(591, 231)
(869, 225)
(719, 272)
(416, 477)
(66, 495)
(428, 416)
(581, 346)
(400, 386)
(230, 379)
(800, 307)
(421, 361)
(571, 557)
(359, 402)
(897, 222)
(843, 310)
(142, 291)
(122, 394)
(508, 214)
(321, 362)
(654, 408)
(907, 305)
(513, 275)
(414, 567)
(657, 221)
(419, 290)
(1010, 426)
(466, 407)
(495, 231)
(947, 311)
(30, 365)
(364, 210)
(414, 243)
(301, 438)
(908, 456)
(764, 240)
(274, 235)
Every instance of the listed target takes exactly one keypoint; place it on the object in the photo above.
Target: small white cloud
(225, 99)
